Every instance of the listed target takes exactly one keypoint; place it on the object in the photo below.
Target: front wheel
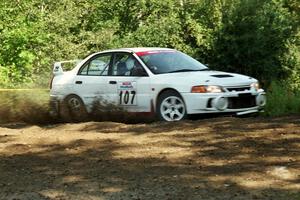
(171, 107)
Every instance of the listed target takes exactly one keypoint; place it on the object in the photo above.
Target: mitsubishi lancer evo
(162, 81)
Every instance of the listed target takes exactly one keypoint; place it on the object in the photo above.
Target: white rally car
(163, 81)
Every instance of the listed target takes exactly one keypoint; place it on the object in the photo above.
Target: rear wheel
(73, 109)
(171, 107)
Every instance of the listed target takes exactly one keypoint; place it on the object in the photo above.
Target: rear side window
(97, 66)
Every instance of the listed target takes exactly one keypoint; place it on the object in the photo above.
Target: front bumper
(228, 102)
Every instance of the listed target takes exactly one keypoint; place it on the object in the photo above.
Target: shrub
(282, 100)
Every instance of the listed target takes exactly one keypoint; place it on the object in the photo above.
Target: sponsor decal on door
(127, 93)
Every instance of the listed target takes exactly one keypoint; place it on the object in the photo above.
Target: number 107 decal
(127, 97)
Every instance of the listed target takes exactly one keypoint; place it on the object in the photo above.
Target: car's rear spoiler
(58, 70)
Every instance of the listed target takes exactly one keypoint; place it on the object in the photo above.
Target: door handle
(78, 82)
(112, 82)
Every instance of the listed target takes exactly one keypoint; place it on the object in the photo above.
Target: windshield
(160, 62)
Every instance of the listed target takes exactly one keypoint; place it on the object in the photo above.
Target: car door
(90, 80)
(129, 84)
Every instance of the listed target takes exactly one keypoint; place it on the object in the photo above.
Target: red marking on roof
(143, 53)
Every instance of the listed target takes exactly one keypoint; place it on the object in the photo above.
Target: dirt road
(219, 158)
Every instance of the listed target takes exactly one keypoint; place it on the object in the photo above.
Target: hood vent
(222, 75)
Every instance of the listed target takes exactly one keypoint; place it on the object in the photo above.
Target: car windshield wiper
(188, 70)
(183, 70)
(205, 69)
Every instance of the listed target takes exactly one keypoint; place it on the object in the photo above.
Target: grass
(281, 100)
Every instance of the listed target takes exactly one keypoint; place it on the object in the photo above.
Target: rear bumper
(54, 104)
(229, 102)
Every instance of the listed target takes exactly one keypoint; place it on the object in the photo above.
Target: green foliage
(254, 38)
(282, 99)
(259, 38)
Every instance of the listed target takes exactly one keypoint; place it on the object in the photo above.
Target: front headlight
(255, 85)
(207, 89)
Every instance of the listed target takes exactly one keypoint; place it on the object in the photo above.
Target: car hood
(206, 78)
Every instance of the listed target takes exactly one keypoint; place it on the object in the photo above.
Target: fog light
(220, 103)
(261, 100)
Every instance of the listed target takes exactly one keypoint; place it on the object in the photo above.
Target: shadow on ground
(223, 158)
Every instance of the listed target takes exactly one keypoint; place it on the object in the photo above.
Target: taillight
(50, 83)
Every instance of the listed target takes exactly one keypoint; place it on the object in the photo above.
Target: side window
(98, 66)
(126, 65)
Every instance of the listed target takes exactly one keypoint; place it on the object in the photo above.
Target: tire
(170, 107)
(73, 109)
